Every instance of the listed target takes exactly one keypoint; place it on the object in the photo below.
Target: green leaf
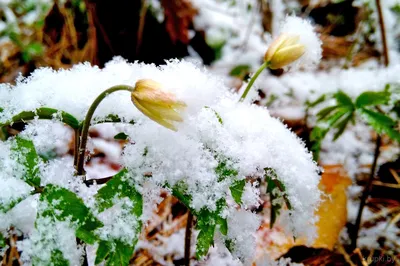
(224, 172)
(343, 99)
(45, 113)
(31, 51)
(206, 224)
(121, 136)
(206, 220)
(119, 187)
(369, 98)
(24, 152)
(236, 189)
(319, 132)
(381, 123)
(3, 242)
(326, 111)
(276, 189)
(114, 251)
(57, 258)
(205, 239)
(240, 71)
(179, 191)
(319, 100)
(65, 205)
(341, 125)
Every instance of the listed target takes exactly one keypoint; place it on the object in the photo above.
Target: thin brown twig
(383, 32)
(365, 194)
(188, 237)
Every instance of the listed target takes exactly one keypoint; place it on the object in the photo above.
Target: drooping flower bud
(160, 106)
(284, 50)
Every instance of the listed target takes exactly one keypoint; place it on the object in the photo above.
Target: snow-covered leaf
(113, 250)
(116, 253)
(66, 205)
(25, 153)
(45, 113)
(58, 259)
(237, 188)
(276, 190)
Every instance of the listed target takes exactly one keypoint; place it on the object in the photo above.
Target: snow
(248, 140)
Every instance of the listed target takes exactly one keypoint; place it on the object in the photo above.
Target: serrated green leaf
(57, 258)
(319, 100)
(121, 136)
(343, 99)
(206, 224)
(24, 152)
(102, 252)
(206, 220)
(45, 113)
(223, 171)
(64, 204)
(205, 239)
(179, 191)
(114, 251)
(236, 189)
(274, 185)
(369, 98)
(119, 187)
(381, 123)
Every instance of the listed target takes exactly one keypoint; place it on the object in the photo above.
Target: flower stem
(365, 194)
(76, 145)
(188, 237)
(86, 124)
(253, 78)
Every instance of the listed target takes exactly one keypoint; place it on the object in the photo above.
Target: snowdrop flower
(160, 106)
(284, 50)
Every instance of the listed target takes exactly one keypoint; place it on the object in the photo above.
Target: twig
(383, 32)
(188, 237)
(365, 194)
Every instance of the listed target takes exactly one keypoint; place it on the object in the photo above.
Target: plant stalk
(383, 32)
(188, 237)
(253, 78)
(86, 124)
(76, 145)
(366, 193)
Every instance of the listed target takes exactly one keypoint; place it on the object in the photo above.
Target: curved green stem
(86, 124)
(253, 78)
